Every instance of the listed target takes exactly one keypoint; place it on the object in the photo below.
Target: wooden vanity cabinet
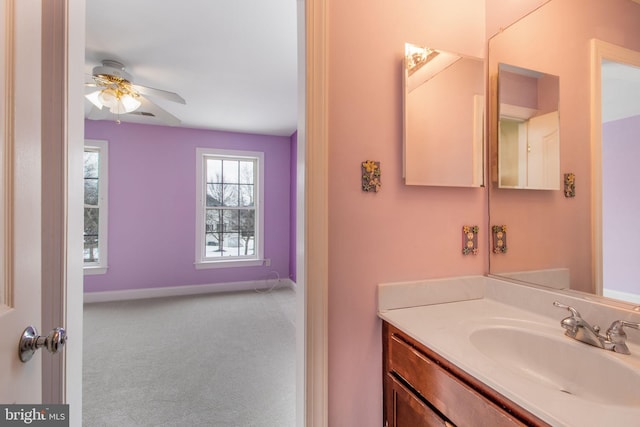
(423, 389)
(404, 408)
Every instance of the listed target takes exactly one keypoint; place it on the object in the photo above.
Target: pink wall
(405, 233)
(516, 89)
(440, 117)
(621, 203)
(499, 15)
(545, 229)
(402, 232)
(548, 94)
(152, 205)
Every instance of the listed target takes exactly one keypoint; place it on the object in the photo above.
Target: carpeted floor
(206, 360)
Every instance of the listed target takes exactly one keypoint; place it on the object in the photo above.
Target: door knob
(31, 341)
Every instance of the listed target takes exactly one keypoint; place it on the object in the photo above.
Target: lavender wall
(621, 203)
(152, 205)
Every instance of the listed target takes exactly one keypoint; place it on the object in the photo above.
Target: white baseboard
(132, 294)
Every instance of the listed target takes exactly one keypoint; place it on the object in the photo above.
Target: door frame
(315, 149)
(601, 50)
(63, 24)
(68, 20)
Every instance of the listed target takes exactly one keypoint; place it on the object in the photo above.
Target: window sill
(203, 265)
(90, 271)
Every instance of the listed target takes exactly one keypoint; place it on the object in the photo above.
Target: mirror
(554, 240)
(443, 109)
(528, 129)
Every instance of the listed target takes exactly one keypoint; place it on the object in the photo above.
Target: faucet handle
(618, 337)
(572, 323)
(574, 312)
(616, 328)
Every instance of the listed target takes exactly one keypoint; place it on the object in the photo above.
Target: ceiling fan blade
(88, 79)
(99, 114)
(160, 113)
(149, 91)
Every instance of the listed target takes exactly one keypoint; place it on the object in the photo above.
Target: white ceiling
(234, 61)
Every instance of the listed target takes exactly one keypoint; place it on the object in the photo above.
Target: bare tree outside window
(91, 211)
(230, 207)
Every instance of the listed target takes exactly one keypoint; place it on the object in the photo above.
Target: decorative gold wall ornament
(470, 239)
(569, 185)
(371, 176)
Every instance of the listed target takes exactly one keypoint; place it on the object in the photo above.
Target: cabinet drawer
(461, 404)
(407, 410)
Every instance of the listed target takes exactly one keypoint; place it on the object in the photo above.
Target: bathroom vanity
(479, 351)
(423, 389)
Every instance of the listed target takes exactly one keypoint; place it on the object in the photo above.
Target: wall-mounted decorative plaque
(569, 185)
(371, 176)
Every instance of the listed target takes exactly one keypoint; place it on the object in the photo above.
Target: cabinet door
(404, 409)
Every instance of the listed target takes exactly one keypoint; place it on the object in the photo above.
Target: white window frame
(201, 260)
(102, 147)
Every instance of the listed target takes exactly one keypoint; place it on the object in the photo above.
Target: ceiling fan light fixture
(116, 101)
(94, 97)
(120, 96)
(108, 98)
(130, 103)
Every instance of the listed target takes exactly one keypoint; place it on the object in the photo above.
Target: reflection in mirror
(529, 129)
(553, 240)
(443, 133)
(620, 90)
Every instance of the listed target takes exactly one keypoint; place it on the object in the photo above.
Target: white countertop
(445, 322)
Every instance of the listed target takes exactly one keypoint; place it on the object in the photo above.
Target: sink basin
(560, 363)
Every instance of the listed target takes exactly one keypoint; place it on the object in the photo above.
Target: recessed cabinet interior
(529, 129)
(423, 389)
(443, 110)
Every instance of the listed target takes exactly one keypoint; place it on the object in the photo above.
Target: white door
(20, 207)
(543, 160)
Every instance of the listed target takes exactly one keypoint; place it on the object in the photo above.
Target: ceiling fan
(113, 92)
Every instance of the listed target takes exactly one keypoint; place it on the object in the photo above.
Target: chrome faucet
(579, 329)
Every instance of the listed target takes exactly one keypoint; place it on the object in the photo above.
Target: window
(229, 222)
(95, 207)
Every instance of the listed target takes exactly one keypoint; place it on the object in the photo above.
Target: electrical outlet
(267, 262)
